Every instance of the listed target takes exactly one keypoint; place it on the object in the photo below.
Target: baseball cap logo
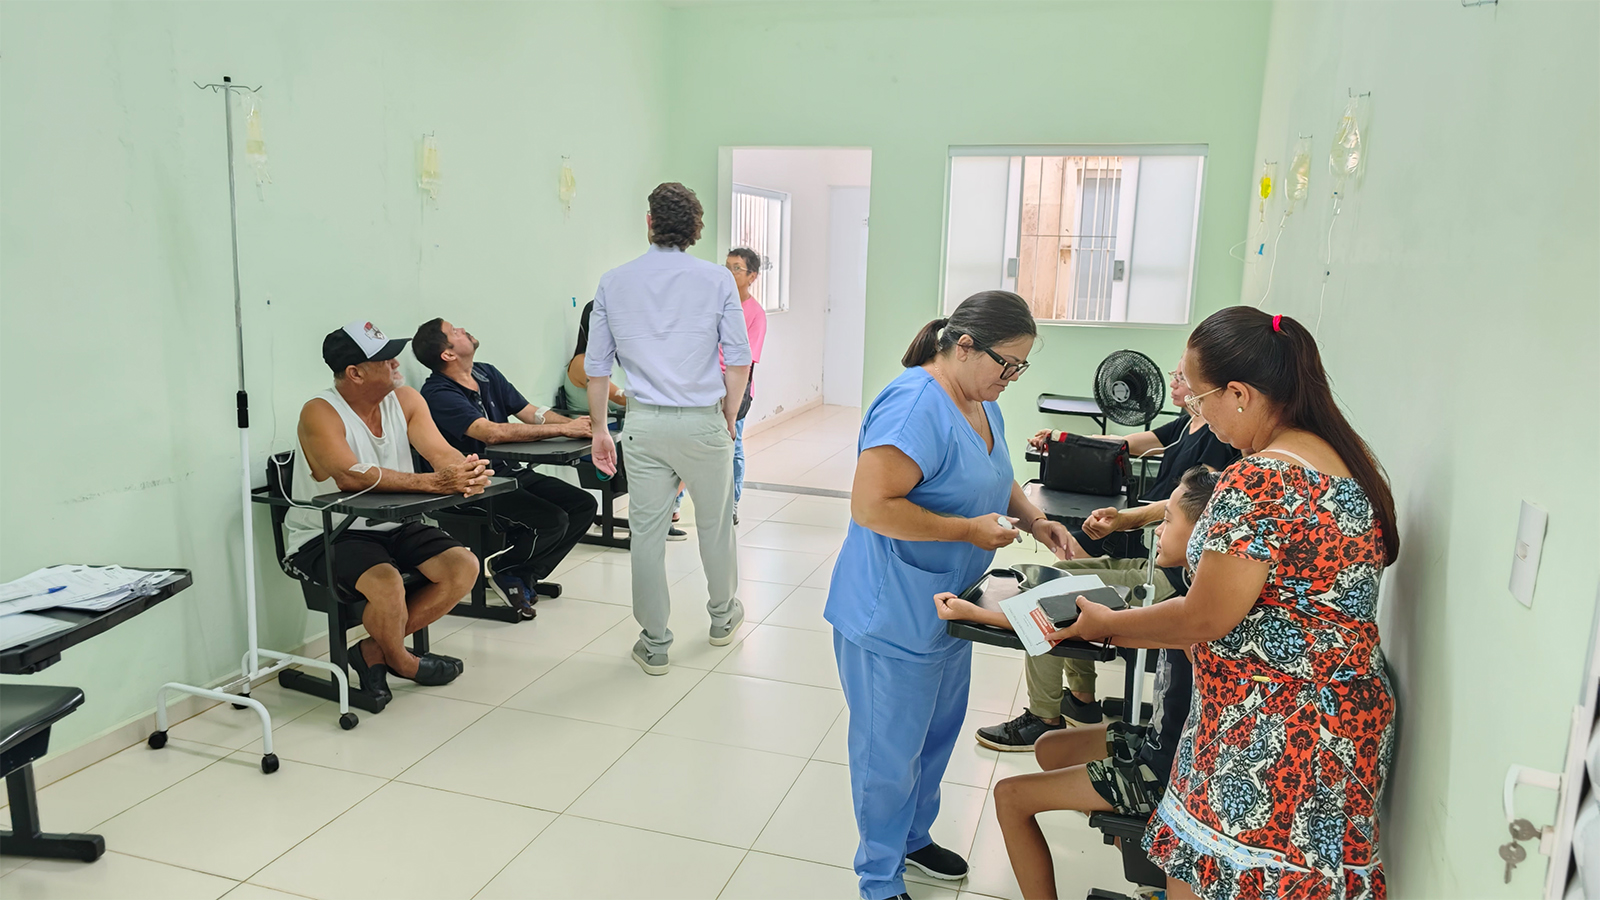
(373, 332)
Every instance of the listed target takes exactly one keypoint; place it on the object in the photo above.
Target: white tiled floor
(555, 768)
(814, 449)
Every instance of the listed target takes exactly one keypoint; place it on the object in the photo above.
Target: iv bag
(255, 146)
(568, 185)
(1300, 173)
(1345, 158)
(429, 179)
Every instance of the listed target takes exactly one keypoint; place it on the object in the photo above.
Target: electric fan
(1129, 388)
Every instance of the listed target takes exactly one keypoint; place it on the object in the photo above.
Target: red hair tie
(1276, 323)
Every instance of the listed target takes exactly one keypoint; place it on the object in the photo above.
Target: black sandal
(460, 666)
(373, 678)
(433, 672)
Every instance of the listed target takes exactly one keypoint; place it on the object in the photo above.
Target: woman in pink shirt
(745, 264)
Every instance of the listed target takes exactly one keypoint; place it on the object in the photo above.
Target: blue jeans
(738, 463)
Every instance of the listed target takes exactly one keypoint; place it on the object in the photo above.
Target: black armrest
(1117, 825)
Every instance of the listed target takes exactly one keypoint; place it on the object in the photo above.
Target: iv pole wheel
(269, 763)
(348, 721)
(241, 705)
(157, 740)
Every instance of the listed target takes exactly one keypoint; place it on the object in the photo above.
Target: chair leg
(25, 838)
(339, 655)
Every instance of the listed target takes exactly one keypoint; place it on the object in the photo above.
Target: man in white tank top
(358, 435)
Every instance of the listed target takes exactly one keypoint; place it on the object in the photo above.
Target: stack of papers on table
(85, 588)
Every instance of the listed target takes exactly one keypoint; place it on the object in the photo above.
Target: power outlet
(1525, 556)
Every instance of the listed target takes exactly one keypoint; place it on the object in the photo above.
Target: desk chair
(608, 488)
(343, 607)
(26, 713)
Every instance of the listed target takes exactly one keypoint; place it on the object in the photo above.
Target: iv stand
(250, 668)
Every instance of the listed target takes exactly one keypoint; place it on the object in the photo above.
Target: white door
(844, 340)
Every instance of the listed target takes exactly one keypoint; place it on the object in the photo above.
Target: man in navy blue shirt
(473, 405)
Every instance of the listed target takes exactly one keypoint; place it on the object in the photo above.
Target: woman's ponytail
(988, 317)
(925, 345)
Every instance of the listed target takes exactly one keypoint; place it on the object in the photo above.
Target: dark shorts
(1130, 786)
(356, 551)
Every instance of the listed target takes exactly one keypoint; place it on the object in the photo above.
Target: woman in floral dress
(1275, 789)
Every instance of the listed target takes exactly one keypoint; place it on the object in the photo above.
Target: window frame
(778, 274)
(1124, 150)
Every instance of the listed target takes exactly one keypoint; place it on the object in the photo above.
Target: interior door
(844, 338)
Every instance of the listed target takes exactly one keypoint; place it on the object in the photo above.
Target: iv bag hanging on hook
(429, 179)
(567, 185)
(255, 146)
(1299, 174)
(1346, 157)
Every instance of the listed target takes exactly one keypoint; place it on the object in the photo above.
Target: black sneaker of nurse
(1078, 711)
(674, 533)
(1018, 734)
(937, 862)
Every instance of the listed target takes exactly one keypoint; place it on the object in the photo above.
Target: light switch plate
(1525, 555)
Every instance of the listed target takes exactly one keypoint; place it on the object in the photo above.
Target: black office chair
(609, 488)
(343, 608)
(26, 713)
(1136, 866)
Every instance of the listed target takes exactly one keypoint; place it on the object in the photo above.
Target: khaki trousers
(662, 445)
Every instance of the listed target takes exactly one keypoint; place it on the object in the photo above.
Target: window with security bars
(1084, 237)
(761, 222)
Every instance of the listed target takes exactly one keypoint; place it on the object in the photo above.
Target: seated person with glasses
(1118, 767)
(356, 436)
(1110, 544)
(473, 404)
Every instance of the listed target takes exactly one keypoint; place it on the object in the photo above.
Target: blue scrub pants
(905, 718)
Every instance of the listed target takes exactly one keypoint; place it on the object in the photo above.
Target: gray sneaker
(651, 663)
(722, 636)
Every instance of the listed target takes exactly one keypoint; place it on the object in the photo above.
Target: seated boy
(1108, 768)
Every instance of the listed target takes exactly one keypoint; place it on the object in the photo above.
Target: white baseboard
(134, 731)
(751, 429)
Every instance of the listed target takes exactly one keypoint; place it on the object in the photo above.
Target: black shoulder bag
(1085, 465)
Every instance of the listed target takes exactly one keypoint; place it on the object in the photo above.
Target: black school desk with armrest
(27, 711)
(574, 452)
(993, 588)
(1068, 508)
(373, 506)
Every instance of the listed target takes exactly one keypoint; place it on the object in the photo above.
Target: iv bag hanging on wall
(1346, 157)
(429, 179)
(568, 185)
(1299, 174)
(255, 146)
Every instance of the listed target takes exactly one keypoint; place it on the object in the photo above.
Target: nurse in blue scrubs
(933, 498)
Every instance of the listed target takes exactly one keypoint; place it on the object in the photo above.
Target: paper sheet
(1029, 621)
(21, 628)
(88, 588)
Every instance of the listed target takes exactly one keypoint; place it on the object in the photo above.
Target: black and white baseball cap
(356, 343)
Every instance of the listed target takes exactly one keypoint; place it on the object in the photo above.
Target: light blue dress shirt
(881, 595)
(664, 316)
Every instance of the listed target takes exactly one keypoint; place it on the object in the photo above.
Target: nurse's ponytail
(988, 317)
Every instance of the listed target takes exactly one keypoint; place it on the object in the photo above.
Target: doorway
(804, 210)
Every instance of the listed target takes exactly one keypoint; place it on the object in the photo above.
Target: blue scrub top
(881, 596)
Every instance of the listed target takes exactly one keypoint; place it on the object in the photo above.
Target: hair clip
(1277, 323)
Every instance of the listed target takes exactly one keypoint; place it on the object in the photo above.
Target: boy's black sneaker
(1081, 712)
(937, 862)
(1018, 734)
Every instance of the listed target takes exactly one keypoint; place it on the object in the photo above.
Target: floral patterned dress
(1274, 792)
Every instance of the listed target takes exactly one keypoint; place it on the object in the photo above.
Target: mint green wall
(911, 79)
(1462, 300)
(117, 386)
